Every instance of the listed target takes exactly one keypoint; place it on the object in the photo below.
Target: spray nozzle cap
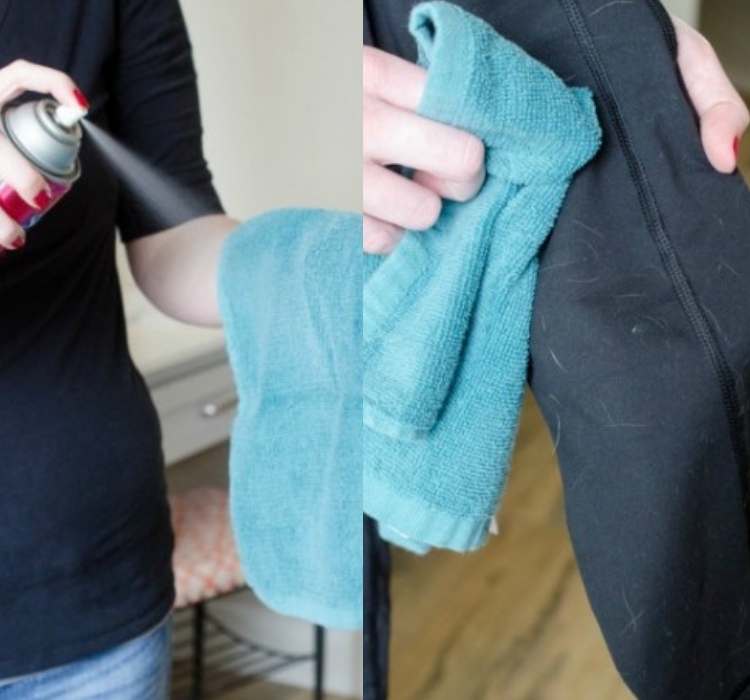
(67, 117)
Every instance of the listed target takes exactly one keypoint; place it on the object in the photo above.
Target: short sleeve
(154, 111)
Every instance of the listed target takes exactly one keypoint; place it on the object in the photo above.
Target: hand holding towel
(447, 314)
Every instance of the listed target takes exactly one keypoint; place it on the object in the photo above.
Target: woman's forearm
(177, 269)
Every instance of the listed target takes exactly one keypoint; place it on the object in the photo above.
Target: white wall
(280, 84)
(689, 10)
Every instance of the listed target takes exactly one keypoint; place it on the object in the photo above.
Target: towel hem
(414, 525)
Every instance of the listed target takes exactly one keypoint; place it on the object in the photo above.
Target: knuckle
(63, 79)
(373, 239)
(369, 110)
(380, 239)
(426, 210)
(704, 49)
(461, 194)
(372, 69)
(745, 118)
(28, 180)
(373, 192)
(373, 116)
(9, 231)
(471, 157)
(18, 71)
(19, 65)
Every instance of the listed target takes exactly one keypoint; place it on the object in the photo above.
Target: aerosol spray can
(48, 135)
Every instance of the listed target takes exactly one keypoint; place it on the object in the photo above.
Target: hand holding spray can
(48, 135)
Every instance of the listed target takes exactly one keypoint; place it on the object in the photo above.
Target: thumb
(723, 114)
(722, 127)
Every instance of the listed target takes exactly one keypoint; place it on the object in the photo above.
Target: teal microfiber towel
(290, 295)
(447, 314)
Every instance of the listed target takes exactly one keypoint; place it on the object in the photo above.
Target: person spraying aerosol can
(48, 135)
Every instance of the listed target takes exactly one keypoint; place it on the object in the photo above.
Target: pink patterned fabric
(205, 560)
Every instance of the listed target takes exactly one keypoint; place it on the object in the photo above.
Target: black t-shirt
(386, 25)
(85, 541)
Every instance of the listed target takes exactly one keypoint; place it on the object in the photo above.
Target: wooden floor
(510, 622)
(270, 691)
(266, 691)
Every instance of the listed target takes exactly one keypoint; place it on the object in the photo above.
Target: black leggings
(640, 349)
(377, 574)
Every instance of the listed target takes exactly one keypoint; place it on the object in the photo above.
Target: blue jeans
(136, 670)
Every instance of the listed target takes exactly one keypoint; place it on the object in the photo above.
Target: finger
(12, 236)
(19, 76)
(379, 237)
(394, 136)
(392, 79)
(723, 114)
(397, 200)
(461, 191)
(19, 174)
(722, 127)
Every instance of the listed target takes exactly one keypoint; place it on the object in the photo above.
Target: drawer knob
(212, 409)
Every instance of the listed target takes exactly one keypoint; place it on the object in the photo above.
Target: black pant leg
(376, 603)
(377, 574)
(641, 349)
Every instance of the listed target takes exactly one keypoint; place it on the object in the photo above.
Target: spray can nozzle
(68, 117)
(48, 135)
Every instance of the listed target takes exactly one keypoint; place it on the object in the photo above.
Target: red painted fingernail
(42, 199)
(19, 242)
(736, 146)
(81, 98)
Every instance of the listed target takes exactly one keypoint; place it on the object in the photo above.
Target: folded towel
(291, 299)
(447, 314)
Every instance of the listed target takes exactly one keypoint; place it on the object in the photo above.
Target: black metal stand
(320, 658)
(209, 658)
(198, 636)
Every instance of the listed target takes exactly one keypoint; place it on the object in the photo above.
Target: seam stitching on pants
(667, 27)
(652, 215)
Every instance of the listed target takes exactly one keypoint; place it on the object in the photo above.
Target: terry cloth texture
(447, 314)
(290, 295)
